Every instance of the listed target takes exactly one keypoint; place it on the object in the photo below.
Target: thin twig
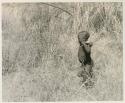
(58, 8)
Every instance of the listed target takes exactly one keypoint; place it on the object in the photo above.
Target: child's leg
(88, 69)
(83, 61)
(83, 75)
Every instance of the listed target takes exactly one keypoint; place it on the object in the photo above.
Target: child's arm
(89, 43)
(87, 47)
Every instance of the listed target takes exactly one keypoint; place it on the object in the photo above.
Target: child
(84, 54)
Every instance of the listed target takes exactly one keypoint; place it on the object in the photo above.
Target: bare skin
(84, 55)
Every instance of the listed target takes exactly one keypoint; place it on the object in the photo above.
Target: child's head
(83, 36)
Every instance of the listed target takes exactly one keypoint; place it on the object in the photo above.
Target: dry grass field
(40, 51)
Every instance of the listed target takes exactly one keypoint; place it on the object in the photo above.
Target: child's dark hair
(83, 36)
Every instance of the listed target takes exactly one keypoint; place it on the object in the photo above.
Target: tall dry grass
(39, 51)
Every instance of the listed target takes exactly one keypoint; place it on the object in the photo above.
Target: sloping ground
(42, 84)
(108, 65)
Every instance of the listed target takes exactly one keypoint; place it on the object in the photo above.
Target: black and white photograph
(62, 51)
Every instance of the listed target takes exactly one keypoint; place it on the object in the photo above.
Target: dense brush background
(40, 46)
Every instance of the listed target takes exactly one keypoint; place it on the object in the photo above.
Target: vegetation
(40, 47)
